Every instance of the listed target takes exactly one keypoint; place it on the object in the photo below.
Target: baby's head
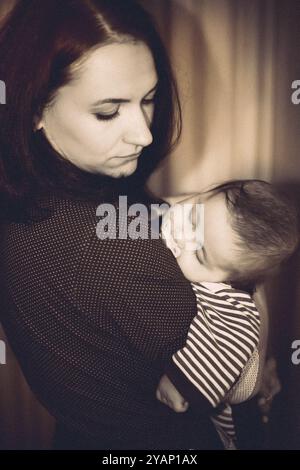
(248, 229)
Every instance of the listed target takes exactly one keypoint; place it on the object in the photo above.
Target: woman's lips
(133, 156)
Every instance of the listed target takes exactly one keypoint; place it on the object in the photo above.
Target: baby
(244, 232)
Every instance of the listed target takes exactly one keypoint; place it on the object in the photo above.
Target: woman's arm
(138, 287)
(268, 383)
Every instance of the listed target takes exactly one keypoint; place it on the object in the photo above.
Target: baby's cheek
(217, 276)
(190, 266)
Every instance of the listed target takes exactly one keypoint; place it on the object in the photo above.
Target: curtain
(5, 7)
(223, 54)
(24, 423)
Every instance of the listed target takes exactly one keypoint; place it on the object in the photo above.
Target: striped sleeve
(220, 341)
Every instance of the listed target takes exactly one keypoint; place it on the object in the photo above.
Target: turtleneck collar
(63, 176)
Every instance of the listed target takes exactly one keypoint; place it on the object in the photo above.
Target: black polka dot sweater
(93, 323)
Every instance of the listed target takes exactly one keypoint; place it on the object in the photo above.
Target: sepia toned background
(235, 61)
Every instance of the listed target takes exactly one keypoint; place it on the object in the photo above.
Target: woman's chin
(127, 169)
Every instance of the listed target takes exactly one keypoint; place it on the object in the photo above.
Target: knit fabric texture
(93, 324)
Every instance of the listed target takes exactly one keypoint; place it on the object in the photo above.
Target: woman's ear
(38, 123)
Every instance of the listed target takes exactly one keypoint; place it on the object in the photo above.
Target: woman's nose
(138, 130)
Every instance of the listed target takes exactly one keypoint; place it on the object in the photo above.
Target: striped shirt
(221, 344)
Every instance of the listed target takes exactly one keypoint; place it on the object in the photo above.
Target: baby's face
(212, 258)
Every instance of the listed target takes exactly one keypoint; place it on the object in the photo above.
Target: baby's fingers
(177, 406)
(181, 407)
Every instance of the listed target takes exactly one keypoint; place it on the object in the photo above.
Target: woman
(91, 110)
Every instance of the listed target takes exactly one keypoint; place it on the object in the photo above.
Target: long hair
(39, 43)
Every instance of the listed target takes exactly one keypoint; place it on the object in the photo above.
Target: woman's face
(100, 121)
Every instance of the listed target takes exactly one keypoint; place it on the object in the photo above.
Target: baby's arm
(217, 348)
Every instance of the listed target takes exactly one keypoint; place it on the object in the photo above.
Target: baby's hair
(266, 224)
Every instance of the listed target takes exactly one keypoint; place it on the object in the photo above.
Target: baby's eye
(193, 217)
(199, 255)
(197, 216)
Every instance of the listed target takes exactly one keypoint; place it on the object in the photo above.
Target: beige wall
(5, 7)
(230, 58)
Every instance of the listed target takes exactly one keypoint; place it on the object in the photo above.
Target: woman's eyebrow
(109, 100)
(120, 100)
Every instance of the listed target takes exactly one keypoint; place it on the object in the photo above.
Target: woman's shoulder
(120, 228)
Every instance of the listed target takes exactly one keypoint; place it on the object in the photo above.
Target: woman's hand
(168, 394)
(270, 386)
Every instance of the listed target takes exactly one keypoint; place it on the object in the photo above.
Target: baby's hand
(168, 394)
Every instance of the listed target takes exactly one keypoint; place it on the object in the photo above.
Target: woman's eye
(107, 116)
(148, 101)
